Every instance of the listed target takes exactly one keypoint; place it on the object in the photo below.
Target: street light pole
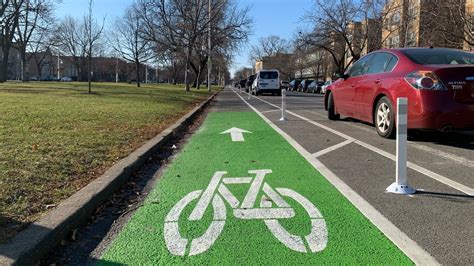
(209, 61)
(58, 66)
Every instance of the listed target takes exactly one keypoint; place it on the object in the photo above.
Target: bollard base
(400, 189)
(283, 119)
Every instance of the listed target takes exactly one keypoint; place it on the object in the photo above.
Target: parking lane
(449, 162)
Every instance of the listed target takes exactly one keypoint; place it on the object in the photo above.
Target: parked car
(438, 83)
(325, 85)
(66, 79)
(303, 87)
(284, 84)
(312, 87)
(266, 81)
(242, 83)
(249, 82)
(294, 85)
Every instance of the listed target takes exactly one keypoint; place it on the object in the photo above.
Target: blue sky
(271, 17)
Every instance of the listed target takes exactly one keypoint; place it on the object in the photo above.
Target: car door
(345, 95)
(370, 82)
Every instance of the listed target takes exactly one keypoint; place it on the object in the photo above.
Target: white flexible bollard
(283, 105)
(401, 185)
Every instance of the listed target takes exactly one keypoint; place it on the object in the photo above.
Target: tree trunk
(23, 63)
(137, 66)
(4, 64)
(198, 77)
(186, 73)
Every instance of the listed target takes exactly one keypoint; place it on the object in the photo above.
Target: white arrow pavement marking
(236, 133)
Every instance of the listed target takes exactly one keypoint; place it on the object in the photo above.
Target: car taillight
(424, 80)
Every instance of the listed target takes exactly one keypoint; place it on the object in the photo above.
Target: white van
(266, 81)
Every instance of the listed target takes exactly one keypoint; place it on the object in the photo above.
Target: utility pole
(116, 70)
(58, 67)
(209, 61)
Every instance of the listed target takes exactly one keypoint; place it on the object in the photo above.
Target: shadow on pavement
(449, 196)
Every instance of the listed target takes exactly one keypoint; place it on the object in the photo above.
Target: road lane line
(450, 156)
(270, 111)
(332, 148)
(417, 254)
(442, 179)
(446, 155)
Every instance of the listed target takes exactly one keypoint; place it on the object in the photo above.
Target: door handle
(377, 81)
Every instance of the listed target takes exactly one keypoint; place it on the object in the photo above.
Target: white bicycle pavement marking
(316, 240)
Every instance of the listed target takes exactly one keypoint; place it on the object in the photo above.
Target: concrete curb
(31, 244)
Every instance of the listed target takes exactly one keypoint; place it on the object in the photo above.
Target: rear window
(268, 75)
(439, 57)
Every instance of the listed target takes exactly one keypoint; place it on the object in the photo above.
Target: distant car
(325, 85)
(294, 85)
(266, 81)
(34, 78)
(312, 87)
(438, 83)
(249, 82)
(66, 79)
(242, 83)
(284, 84)
(303, 87)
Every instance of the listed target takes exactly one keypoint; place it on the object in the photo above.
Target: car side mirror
(342, 75)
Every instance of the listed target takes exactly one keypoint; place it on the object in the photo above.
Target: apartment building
(422, 23)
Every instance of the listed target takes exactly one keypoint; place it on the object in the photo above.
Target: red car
(438, 82)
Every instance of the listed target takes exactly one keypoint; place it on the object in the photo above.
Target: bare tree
(274, 52)
(93, 34)
(71, 39)
(34, 15)
(346, 29)
(10, 14)
(179, 28)
(128, 40)
(230, 28)
(268, 47)
(450, 24)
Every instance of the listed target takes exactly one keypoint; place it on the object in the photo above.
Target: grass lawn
(55, 138)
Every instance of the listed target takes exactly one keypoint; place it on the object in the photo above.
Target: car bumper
(438, 111)
(268, 90)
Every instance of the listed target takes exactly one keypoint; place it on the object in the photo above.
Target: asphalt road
(440, 166)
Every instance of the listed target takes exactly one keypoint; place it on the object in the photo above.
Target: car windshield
(268, 75)
(439, 57)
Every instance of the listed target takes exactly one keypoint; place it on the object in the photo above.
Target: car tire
(331, 108)
(384, 118)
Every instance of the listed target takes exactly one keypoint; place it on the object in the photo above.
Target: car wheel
(331, 110)
(384, 118)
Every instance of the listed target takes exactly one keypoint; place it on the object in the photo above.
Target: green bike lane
(254, 200)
